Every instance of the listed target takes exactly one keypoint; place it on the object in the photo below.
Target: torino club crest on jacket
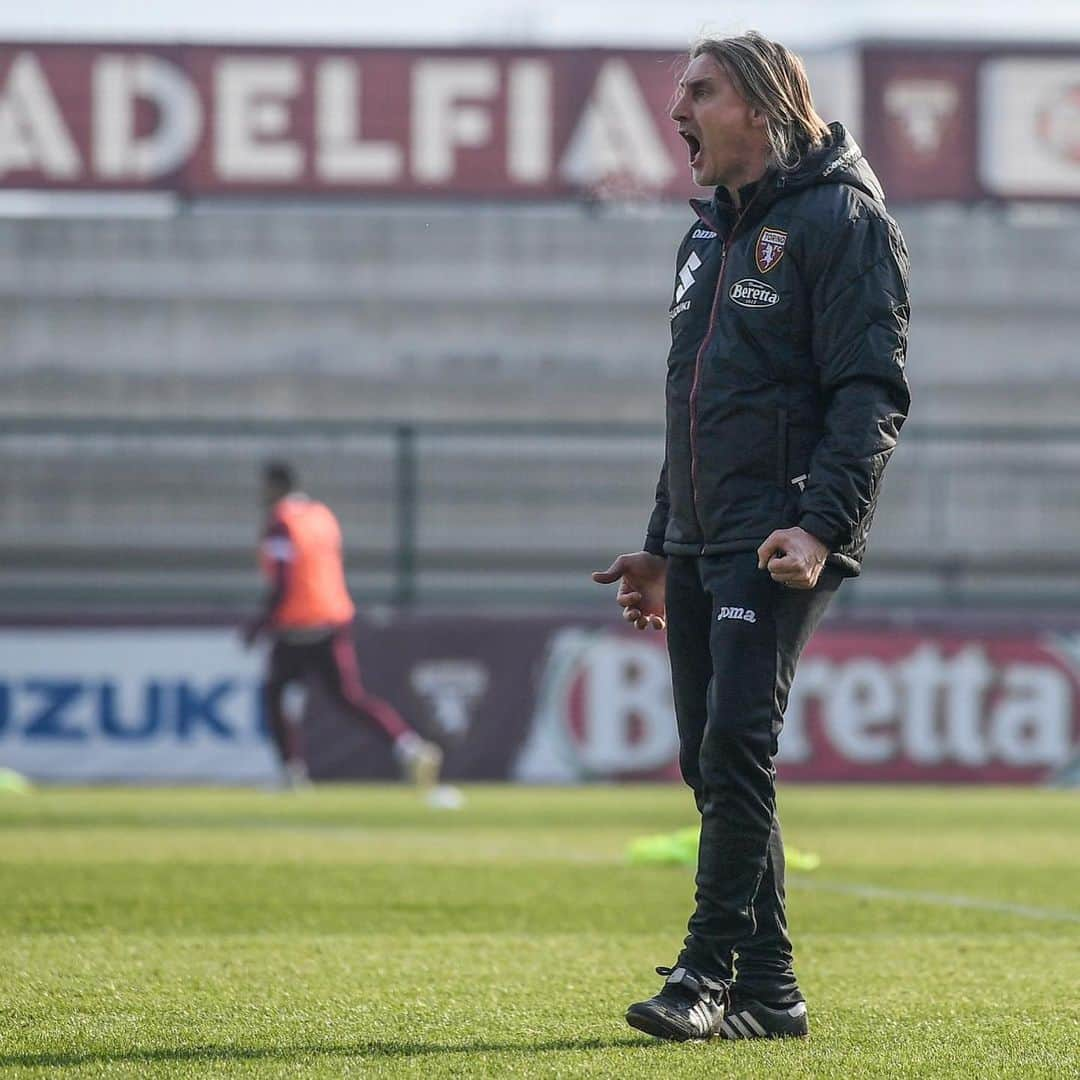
(770, 248)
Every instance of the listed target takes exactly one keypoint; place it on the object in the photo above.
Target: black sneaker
(750, 1019)
(690, 1006)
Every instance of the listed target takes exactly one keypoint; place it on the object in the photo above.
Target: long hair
(771, 79)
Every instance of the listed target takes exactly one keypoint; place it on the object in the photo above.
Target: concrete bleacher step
(494, 314)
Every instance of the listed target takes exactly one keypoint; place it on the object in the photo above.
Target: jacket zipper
(717, 298)
(781, 449)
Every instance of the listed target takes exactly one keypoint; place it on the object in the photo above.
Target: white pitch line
(876, 892)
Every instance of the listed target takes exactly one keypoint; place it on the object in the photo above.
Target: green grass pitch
(350, 931)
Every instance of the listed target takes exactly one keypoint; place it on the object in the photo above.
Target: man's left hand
(793, 557)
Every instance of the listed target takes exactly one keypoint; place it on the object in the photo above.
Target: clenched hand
(793, 557)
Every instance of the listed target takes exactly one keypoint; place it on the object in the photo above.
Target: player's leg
(735, 760)
(419, 758)
(691, 1003)
(766, 999)
(284, 674)
(689, 620)
(764, 961)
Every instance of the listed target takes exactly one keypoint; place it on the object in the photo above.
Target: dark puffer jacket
(785, 385)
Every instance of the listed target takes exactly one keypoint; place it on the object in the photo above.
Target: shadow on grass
(364, 1049)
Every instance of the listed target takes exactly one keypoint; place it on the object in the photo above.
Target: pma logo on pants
(745, 614)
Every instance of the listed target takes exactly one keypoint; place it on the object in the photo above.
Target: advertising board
(536, 700)
(937, 121)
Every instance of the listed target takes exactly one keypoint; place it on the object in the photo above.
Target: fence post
(405, 476)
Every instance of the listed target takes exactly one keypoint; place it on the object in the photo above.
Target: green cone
(670, 849)
(801, 860)
(680, 849)
(13, 783)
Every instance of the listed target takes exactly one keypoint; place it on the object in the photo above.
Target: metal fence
(151, 515)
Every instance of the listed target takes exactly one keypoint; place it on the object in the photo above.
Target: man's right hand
(641, 588)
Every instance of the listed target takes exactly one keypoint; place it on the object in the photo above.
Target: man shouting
(785, 396)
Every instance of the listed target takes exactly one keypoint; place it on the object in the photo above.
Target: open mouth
(694, 143)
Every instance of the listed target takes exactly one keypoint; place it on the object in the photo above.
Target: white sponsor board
(132, 705)
(1029, 121)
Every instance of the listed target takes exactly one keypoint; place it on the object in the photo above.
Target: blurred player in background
(785, 397)
(308, 614)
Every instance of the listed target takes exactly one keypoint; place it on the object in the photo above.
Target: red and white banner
(866, 706)
(208, 120)
(904, 705)
(540, 700)
(951, 122)
(1030, 137)
(970, 123)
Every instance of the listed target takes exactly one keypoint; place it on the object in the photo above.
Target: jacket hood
(839, 162)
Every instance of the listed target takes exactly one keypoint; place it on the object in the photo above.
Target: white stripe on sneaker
(702, 1014)
(693, 1014)
(752, 1023)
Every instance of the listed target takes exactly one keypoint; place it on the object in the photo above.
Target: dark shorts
(331, 662)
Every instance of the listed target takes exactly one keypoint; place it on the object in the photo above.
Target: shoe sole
(658, 1028)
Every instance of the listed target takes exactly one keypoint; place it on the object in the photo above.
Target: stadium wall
(475, 313)
(255, 293)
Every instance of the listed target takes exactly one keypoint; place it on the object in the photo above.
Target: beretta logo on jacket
(751, 293)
